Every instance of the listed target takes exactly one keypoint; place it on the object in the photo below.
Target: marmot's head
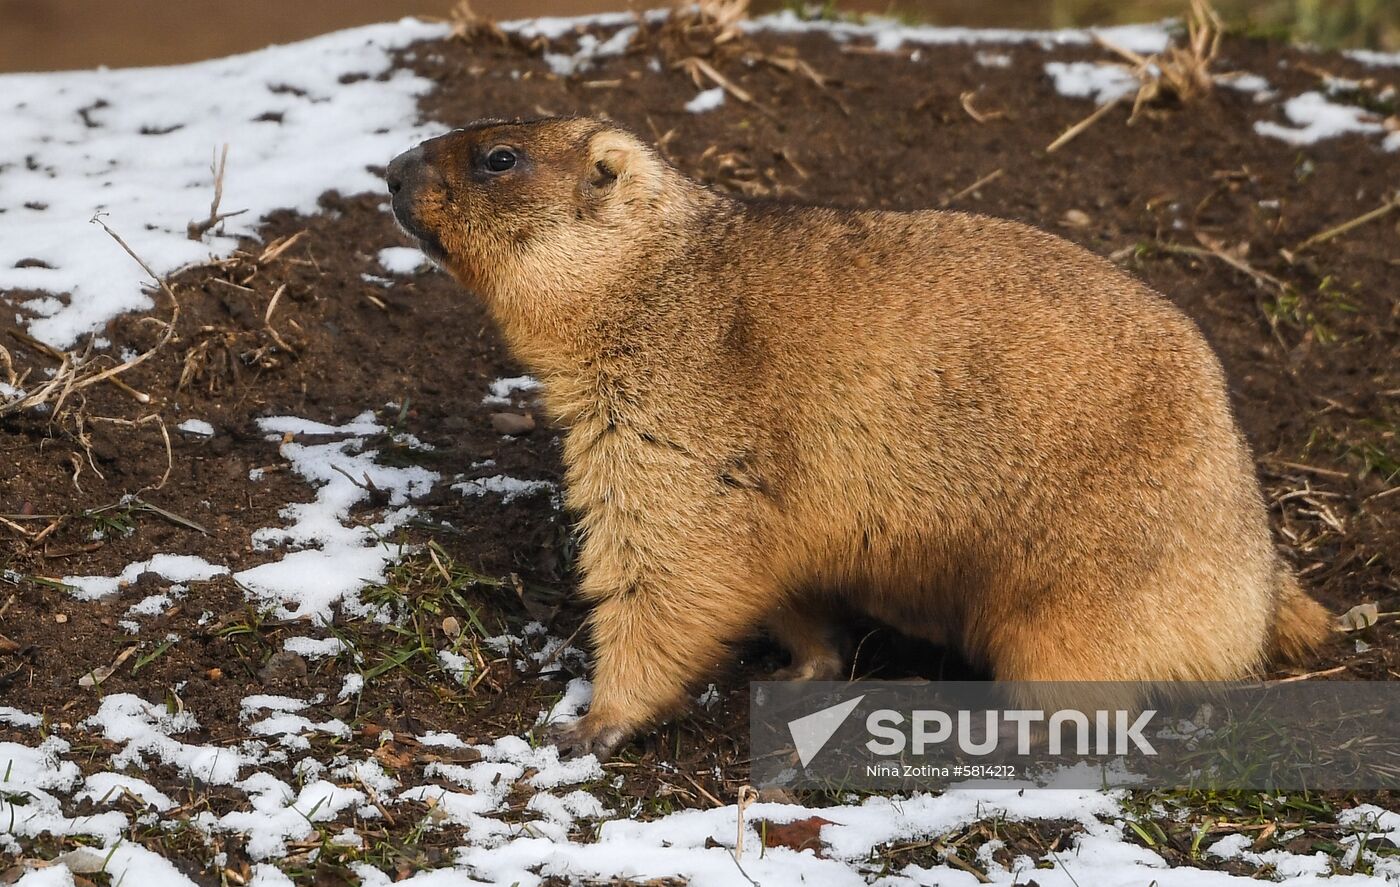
(536, 209)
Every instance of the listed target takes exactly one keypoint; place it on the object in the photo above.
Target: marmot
(965, 427)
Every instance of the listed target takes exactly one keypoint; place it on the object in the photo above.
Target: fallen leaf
(800, 834)
(1358, 617)
(392, 756)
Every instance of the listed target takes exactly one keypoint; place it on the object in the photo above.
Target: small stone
(215, 674)
(61, 618)
(1076, 218)
(513, 423)
(451, 627)
(283, 666)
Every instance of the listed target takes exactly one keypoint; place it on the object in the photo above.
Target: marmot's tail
(1300, 623)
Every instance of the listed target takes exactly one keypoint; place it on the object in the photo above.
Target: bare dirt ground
(1187, 197)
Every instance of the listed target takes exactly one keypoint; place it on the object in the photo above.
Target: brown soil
(1315, 374)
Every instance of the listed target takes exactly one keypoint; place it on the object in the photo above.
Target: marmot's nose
(404, 169)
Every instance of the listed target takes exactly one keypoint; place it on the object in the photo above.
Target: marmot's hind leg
(808, 630)
(1103, 628)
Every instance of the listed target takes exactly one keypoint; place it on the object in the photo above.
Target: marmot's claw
(584, 737)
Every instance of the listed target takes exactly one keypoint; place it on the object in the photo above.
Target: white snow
(590, 49)
(280, 815)
(173, 567)
(353, 685)
(148, 732)
(1101, 82)
(332, 557)
(501, 391)
(363, 424)
(401, 259)
(889, 35)
(993, 59)
(706, 101)
(1373, 820)
(196, 426)
(137, 145)
(1372, 57)
(314, 648)
(509, 488)
(1316, 118)
(1244, 81)
(108, 788)
(13, 716)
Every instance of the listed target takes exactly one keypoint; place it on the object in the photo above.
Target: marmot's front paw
(586, 736)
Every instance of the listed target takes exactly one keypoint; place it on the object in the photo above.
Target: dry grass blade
(468, 26)
(43, 348)
(697, 68)
(1179, 72)
(152, 419)
(980, 116)
(197, 230)
(1073, 132)
(985, 180)
(1379, 212)
(702, 29)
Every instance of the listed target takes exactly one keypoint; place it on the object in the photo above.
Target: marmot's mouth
(426, 239)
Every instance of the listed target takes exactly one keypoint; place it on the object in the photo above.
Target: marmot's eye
(500, 160)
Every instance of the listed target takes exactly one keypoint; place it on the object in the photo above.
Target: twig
(1377, 213)
(985, 180)
(1304, 677)
(278, 247)
(15, 527)
(139, 396)
(980, 116)
(747, 796)
(1311, 469)
(1073, 132)
(701, 789)
(549, 660)
(696, 66)
(170, 516)
(197, 230)
(164, 434)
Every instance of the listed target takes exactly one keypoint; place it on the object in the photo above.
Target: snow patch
(314, 648)
(136, 144)
(332, 558)
(509, 488)
(401, 259)
(1316, 118)
(196, 426)
(1103, 83)
(501, 391)
(706, 101)
(889, 35)
(172, 567)
(147, 730)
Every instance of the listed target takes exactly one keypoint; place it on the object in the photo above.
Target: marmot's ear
(616, 160)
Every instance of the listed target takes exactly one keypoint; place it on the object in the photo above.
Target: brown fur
(966, 427)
